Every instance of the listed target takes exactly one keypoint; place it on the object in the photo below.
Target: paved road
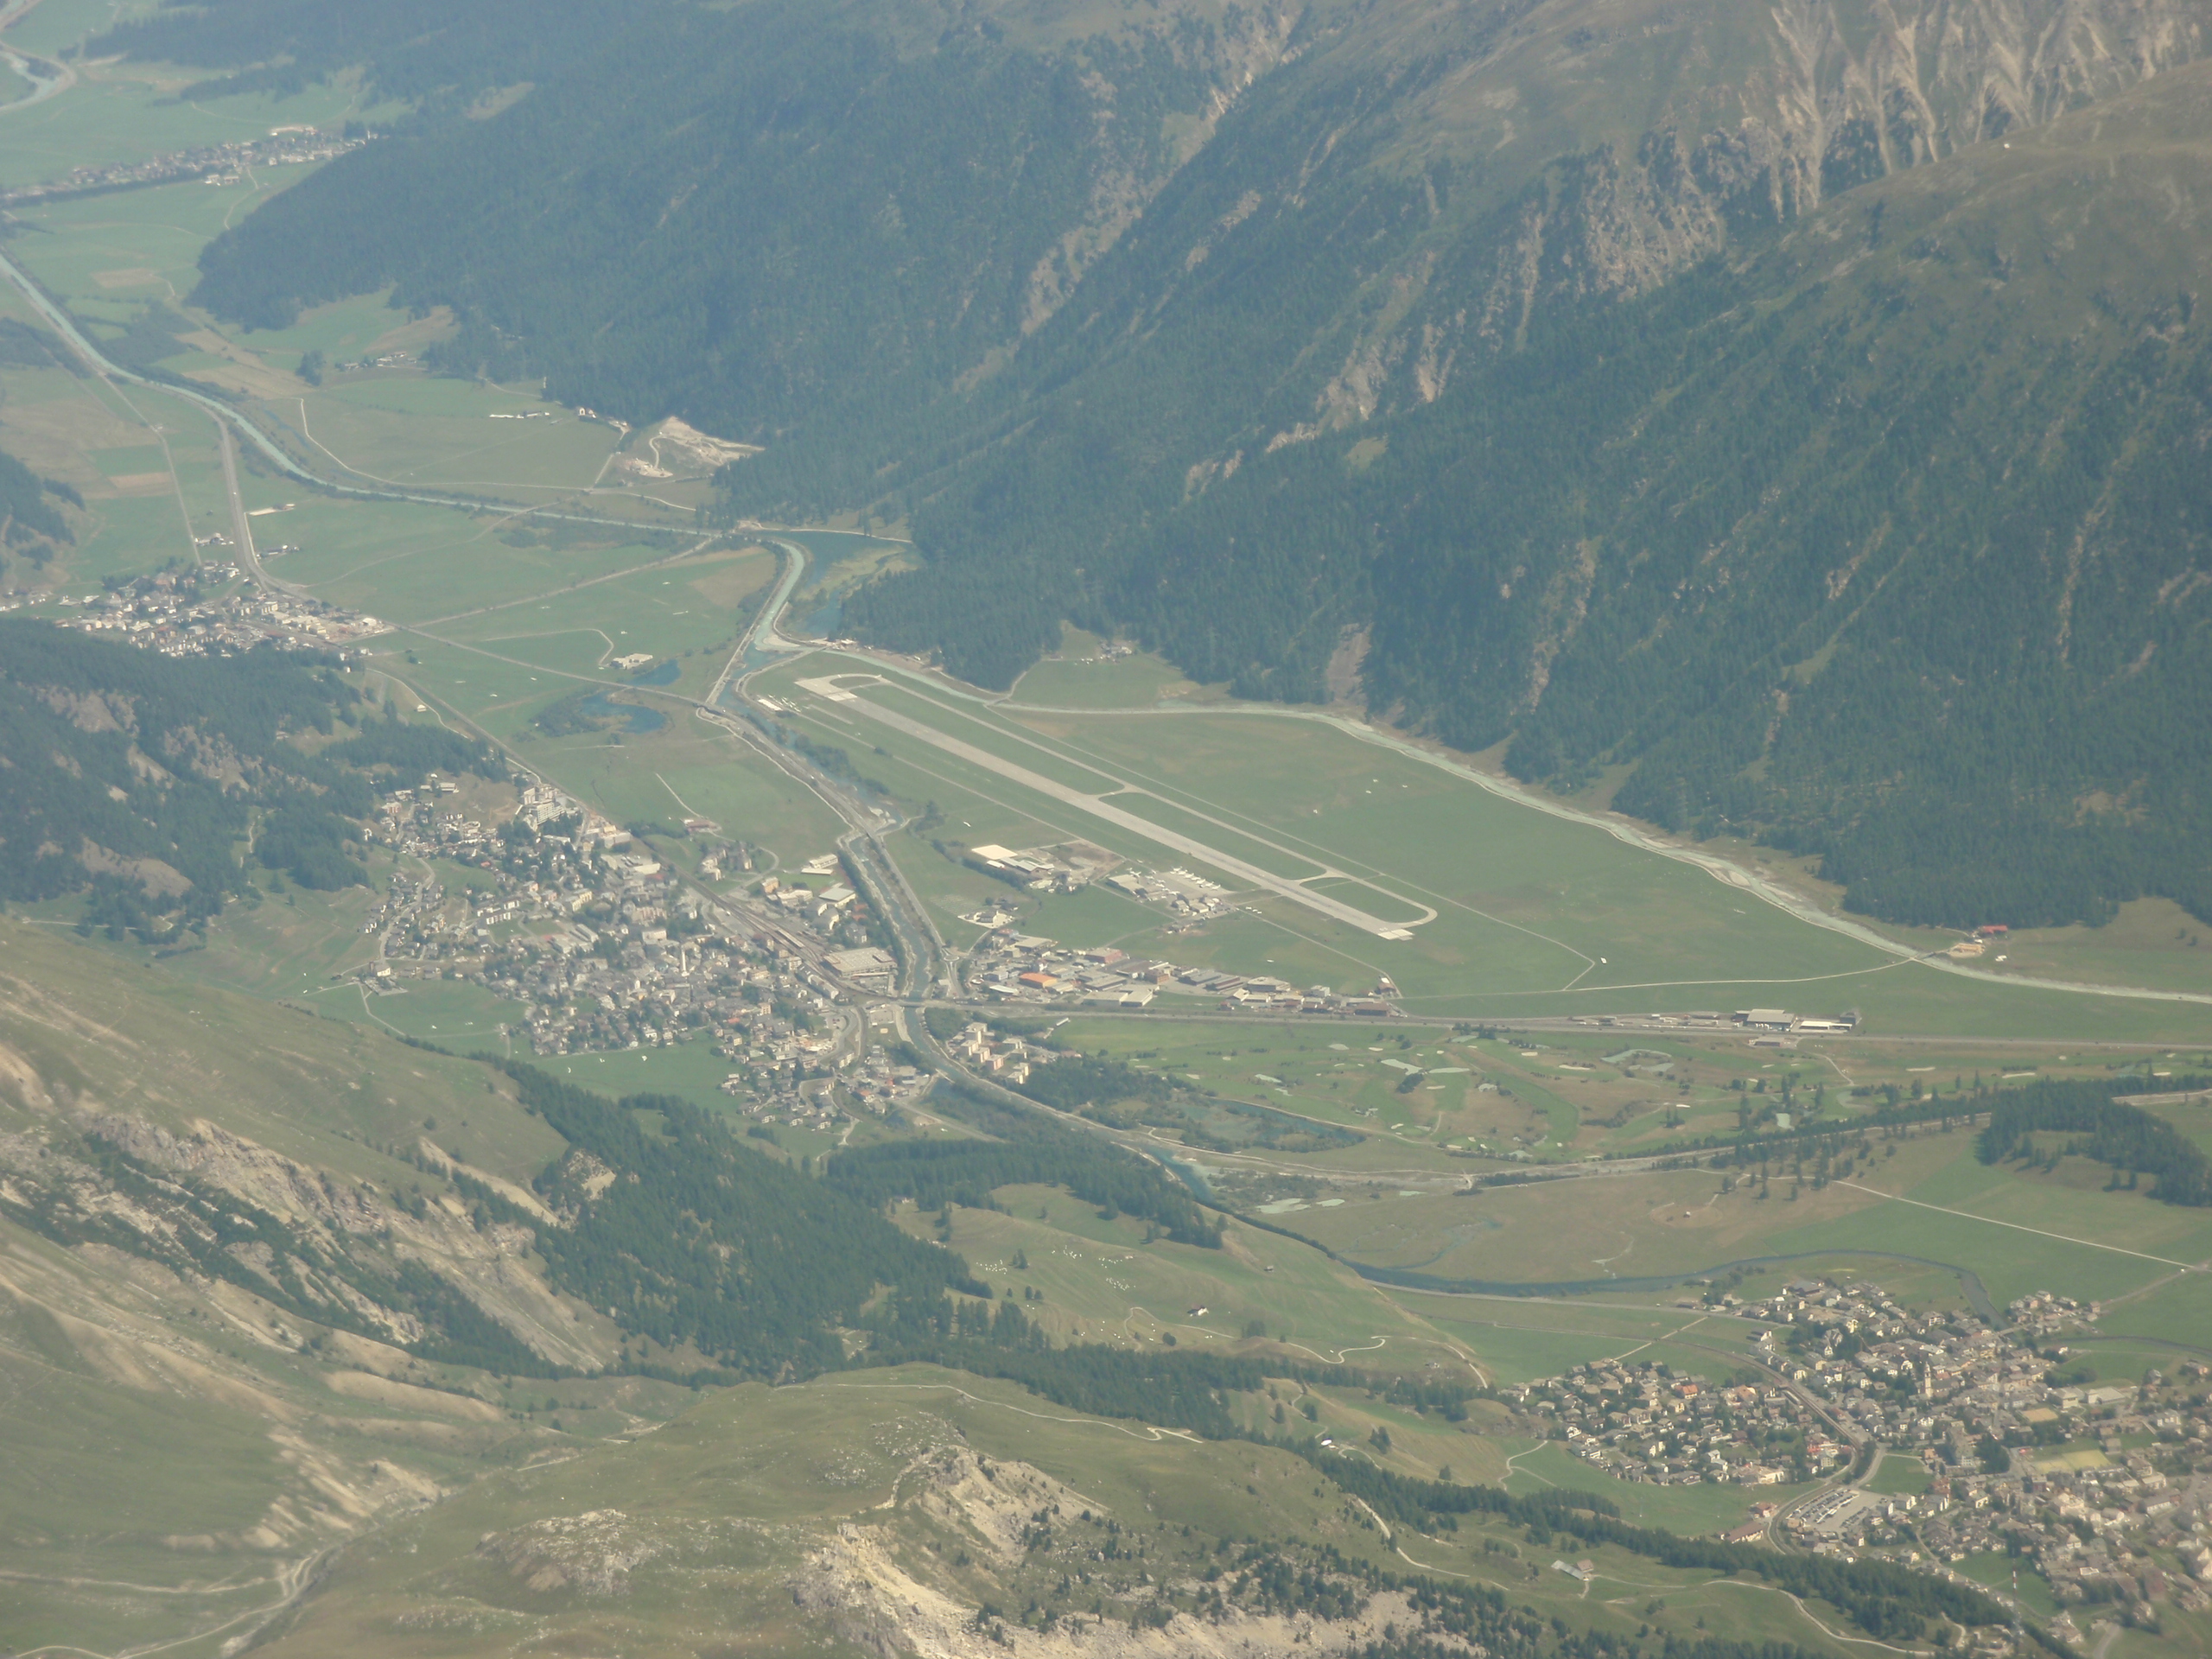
(47, 78)
(57, 317)
(242, 523)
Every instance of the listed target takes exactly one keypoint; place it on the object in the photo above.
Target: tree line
(2110, 1131)
(1884, 1599)
(178, 761)
(1024, 1148)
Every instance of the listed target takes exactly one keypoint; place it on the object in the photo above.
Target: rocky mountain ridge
(1807, 101)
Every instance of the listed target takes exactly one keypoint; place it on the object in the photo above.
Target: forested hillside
(1887, 544)
(30, 514)
(147, 779)
(1794, 408)
(820, 219)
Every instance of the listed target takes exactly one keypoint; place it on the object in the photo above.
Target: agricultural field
(1565, 1093)
(1408, 1203)
(1101, 1282)
(690, 607)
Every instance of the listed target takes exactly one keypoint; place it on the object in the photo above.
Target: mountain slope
(191, 1427)
(820, 219)
(1399, 204)
(1753, 397)
(142, 775)
(268, 1279)
(1885, 544)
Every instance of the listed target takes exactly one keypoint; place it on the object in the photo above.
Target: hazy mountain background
(1792, 416)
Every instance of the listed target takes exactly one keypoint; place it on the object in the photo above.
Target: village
(202, 612)
(216, 163)
(579, 921)
(2008, 1442)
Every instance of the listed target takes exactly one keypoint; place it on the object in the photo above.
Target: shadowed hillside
(1791, 404)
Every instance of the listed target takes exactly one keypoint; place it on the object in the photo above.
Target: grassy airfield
(1533, 915)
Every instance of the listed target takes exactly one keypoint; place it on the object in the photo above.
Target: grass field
(1693, 1509)
(319, 1088)
(1535, 915)
(691, 609)
(2000, 1223)
(283, 944)
(2178, 1314)
(1102, 1283)
(1519, 1339)
(1572, 1094)
(2017, 1232)
(416, 430)
(1899, 1474)
(1077, 677)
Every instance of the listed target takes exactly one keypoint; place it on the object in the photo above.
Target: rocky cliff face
(98, 1175)
(1815, 99)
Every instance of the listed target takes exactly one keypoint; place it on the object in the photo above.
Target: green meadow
(1678, 1508)
(419, 431)
(1535, 914)
(1065, 680)
(753, 1479)
(2024, 1232)
(692, 609)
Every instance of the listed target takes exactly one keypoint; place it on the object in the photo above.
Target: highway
(47, 78)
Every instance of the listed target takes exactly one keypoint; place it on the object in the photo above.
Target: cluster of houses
(176, 614)
(2009, 1445)
(217, 163)
(573, 918)
(1652, 1423)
